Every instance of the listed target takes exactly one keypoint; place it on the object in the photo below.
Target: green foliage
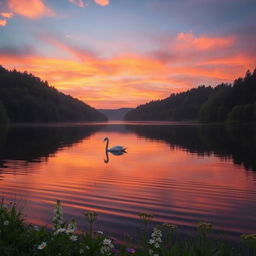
(19, 239)
(26, 98)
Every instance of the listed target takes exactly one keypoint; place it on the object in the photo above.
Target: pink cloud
(6, 15)
(102, 2)
(131, 78)
(79, 3)
(3, 23)
(201, 43)
(32, 9)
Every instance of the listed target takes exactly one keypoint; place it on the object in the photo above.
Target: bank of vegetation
(26, 98)
(18, 238)
(224, 103)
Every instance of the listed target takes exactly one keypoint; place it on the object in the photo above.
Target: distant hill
(26, 98)
(225, 103)
(115, 114)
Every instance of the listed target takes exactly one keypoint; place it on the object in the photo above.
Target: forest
(224, 103)
(26, 98)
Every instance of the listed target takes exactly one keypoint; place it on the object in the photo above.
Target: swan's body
(116, 150)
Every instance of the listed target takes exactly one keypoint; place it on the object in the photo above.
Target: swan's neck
(106, 160)
(107, 144)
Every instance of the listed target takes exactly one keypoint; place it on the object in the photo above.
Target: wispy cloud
(102, 2)
(32, 9)
(6, 15)
(130, 77)
(202, 43)
(79, 3)
(3, 22)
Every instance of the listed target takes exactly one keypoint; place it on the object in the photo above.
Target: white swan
(116, 149)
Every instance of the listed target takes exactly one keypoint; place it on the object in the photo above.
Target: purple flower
(131, 250)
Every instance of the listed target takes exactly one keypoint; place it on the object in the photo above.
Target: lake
(182, 173)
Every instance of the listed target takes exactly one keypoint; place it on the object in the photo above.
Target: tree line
(26, 98)
(224, 103)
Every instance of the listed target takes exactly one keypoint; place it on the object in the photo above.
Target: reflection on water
(24, 145)
(114, 153)
(236, 142)
(182, 174)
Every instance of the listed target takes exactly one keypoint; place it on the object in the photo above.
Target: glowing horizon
(118, 54)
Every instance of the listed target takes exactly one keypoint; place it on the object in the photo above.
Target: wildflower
(6, 223)
(73, 238)
(107, 246)
(151, 241)
(36, 228)
(169, 226)
(100, 232)
(41, 246)
(146, 218)
(106, 241)
(155, 241)
(157, 245)
(71, 228)
(87, 247)
(81, 251)
(60, 230)
(131, 250)
(58, 216)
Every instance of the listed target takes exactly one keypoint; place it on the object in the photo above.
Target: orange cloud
(129, 79)
(6, 15)
(32, 9)
(102, 2)
(3, 23)
(188, 40)
(78, 3)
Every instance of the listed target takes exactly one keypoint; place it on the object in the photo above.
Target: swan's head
(106, 139)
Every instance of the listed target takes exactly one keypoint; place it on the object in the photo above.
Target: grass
(17, 238)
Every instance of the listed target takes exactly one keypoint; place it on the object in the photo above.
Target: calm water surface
(182, 173)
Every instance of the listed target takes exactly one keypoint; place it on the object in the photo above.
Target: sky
(122, 53)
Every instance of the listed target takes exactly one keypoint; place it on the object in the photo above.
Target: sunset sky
(121, 53)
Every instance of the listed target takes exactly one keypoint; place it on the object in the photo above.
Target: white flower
(106, 241)
(73, 238)
(155, 241)
(36, 228)
(100, 232)
(81, 251)
(158, 239)
(58, 216)
(60, 230)
(157, 245)
(41, 246)
(151, 241)
(6, 223)
(107, 246)
(87, 247)
(71, 227)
